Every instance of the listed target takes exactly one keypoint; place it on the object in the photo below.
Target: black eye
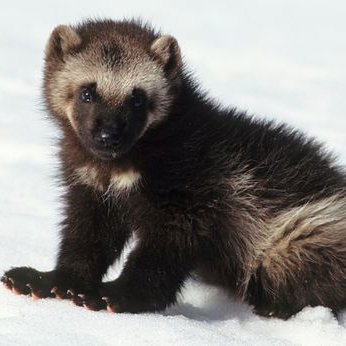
(86, 95)
(138, 99)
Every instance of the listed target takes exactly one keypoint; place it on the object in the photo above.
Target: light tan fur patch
(252, 224)
(298, 236)
(118, 182)
(69, 114)
(286, 243)
(124, 181)
(88, 175)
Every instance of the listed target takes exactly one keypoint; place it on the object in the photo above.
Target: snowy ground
(282, 59)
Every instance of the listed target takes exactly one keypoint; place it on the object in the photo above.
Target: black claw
(106, 299)
(9, 283)
(30, 287)
(5, 280)
(70, 293)
(58, 293)
(54, 290)
(77, 301)
(95, 304)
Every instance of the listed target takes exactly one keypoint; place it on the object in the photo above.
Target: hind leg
(283, 287)
(304, 262)
(304, 265)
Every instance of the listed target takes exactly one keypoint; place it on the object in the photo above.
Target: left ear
(61, 42)
(167, 53)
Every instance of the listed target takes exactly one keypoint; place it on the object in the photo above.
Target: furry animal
(249, 205)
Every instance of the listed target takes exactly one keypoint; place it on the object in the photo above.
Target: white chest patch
(118, 182)
(124, 181)
(88, 176)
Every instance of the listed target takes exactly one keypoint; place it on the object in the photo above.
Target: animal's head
(109, 82)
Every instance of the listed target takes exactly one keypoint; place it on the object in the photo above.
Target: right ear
(167, 52)
(61, 42)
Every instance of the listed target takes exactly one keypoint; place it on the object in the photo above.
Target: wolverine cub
(249, 205)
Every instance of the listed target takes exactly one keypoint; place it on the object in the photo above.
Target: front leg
(153, 275)
(38, 284)
(93, 236)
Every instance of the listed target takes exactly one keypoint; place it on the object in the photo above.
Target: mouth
(109, 153)
(106, 151)
(105, 154)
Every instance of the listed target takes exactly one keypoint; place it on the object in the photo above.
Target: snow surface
(280, 59)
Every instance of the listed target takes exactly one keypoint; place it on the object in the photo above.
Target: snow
(283, 60)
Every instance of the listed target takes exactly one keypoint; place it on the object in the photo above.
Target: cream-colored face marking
(113, 84)
(69, 114)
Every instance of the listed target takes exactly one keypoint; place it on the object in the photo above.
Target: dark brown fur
(249, 205)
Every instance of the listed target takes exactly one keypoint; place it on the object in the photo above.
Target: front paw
(117, 298)
(29, 281)
(13, 280)
(94, 300)
(104, 297)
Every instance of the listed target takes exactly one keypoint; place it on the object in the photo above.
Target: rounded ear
(62, 41)
(167, 52)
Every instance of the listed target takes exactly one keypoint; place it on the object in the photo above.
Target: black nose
(108, 137)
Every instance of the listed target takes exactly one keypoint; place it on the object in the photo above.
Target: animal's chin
(109, 154)
(105, 155)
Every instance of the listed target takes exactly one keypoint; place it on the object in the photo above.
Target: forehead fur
(115, 56)
(114, 80)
